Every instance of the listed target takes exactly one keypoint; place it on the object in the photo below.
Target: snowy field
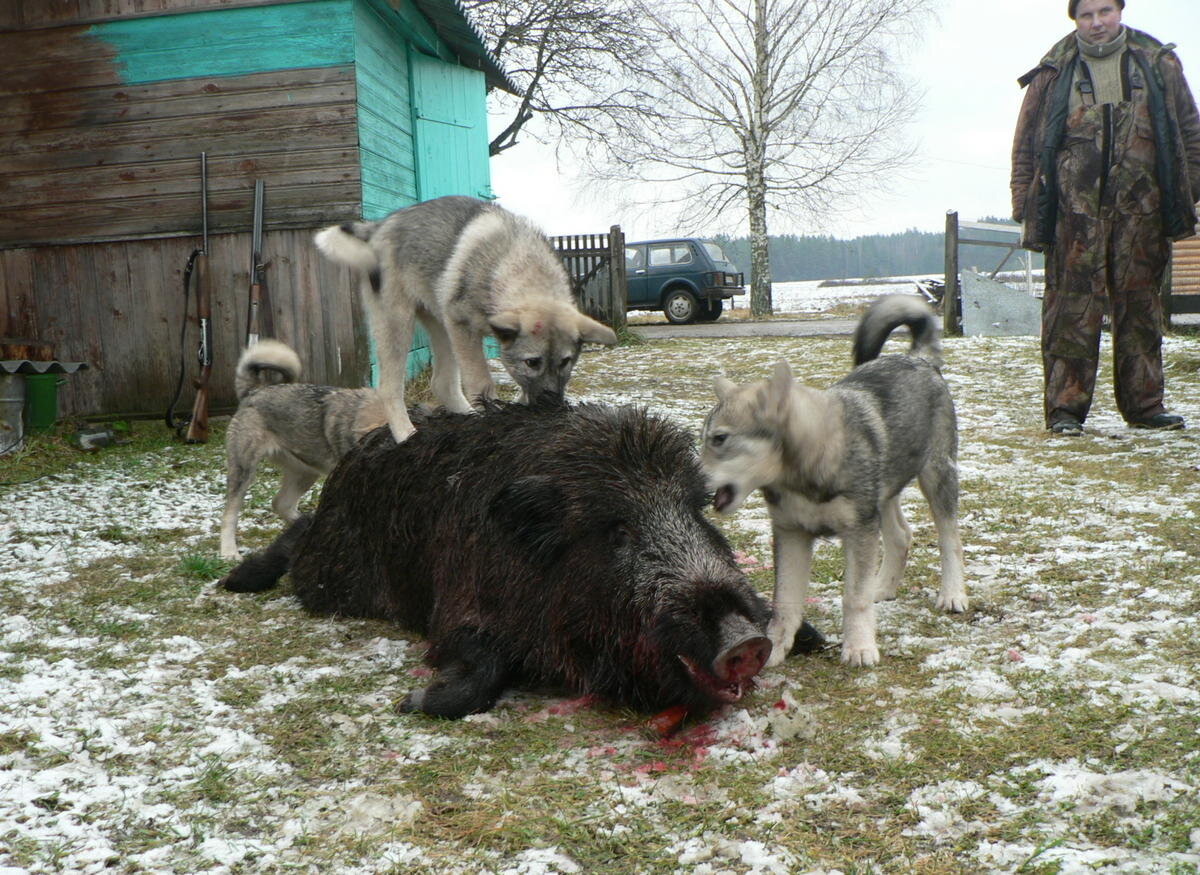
(150, 723)
(811, 298)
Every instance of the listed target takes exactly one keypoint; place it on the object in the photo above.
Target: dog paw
(231, 555)
(954, 602)
(862, 655)
(781, 636)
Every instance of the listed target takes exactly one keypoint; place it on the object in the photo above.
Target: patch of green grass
(629, 336)
(203, 567)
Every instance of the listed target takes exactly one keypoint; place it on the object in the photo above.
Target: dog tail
(889, 313)
(264, 364)
(261, 571)
(347, 244)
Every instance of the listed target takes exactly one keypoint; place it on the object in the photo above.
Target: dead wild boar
(543, 545)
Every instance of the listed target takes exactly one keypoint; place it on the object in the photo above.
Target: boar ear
(723, 386)
(531, 510)
(779, 389)
(506, 327)
(591, 331)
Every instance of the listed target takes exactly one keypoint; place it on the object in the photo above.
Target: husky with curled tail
(302, 428)
(466, 269)
(834, 462)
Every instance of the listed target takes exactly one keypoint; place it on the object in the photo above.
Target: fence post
(950, 294)
(618, 294)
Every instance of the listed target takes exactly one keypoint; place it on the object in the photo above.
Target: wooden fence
(596, 265)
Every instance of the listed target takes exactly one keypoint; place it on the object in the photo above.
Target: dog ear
(723, 386)
(591, 331)
(530, 509)
(779, 389)
(506, 326)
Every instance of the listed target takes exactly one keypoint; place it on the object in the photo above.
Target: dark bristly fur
(261, 571)
(533, 545)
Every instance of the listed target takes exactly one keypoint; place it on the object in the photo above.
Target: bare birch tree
(788, 105)
(568, 57)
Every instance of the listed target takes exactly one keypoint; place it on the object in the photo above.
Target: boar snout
(742, 661)
(742, 652)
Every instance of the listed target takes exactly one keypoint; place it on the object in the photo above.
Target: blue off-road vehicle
(688, 278)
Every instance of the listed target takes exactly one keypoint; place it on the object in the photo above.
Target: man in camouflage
(1105, 174)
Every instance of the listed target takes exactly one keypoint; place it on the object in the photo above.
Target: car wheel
(710, 311)
(680, 306)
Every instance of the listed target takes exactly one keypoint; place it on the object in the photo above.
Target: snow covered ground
(1054, 728)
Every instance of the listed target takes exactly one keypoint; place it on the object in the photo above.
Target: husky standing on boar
(303, 428)
(466, 268)
(834, 463)
(540, 545)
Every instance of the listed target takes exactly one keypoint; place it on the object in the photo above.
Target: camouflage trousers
(1109, 252)
(1127, 276)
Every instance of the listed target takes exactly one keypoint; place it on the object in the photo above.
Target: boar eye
(533, 364)
(717, 439)
(621, 535)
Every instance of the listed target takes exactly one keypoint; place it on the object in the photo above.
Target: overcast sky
(967, 67)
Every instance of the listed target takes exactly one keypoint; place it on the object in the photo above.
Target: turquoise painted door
(450, 128)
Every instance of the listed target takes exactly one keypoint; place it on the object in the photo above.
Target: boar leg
(261, 571)
(470, 678)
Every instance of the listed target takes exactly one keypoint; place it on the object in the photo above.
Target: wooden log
(18, 348)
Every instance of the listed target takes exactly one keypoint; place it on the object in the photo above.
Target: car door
(666, 262)
(635, 278)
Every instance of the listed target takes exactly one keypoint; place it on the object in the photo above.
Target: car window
(670, 253)
(635, 257)
(714, 251)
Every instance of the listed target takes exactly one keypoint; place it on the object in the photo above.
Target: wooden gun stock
(197, 432)
(256, 265)
(252, 329)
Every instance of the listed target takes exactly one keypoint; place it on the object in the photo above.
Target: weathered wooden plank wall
(105, 106)
(27, 14)
(91, 155)
(119, 306)
(385, 123)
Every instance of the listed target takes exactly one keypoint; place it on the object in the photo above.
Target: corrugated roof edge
(453, 25)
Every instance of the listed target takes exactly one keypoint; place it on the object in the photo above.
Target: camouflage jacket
(1042, 121)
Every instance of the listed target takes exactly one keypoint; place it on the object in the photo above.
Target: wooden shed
(344, 108)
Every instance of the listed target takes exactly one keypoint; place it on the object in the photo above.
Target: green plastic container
(41, 400)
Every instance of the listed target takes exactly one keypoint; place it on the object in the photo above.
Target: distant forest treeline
(908, 253)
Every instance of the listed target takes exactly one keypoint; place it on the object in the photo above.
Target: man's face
(1097, 21)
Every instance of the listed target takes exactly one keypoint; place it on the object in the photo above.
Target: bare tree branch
(568, 57)
(794, 106)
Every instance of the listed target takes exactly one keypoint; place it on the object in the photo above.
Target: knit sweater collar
(1104, 50)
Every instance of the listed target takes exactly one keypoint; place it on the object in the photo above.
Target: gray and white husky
(466, 268)
(303, 428)
(834, 462)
